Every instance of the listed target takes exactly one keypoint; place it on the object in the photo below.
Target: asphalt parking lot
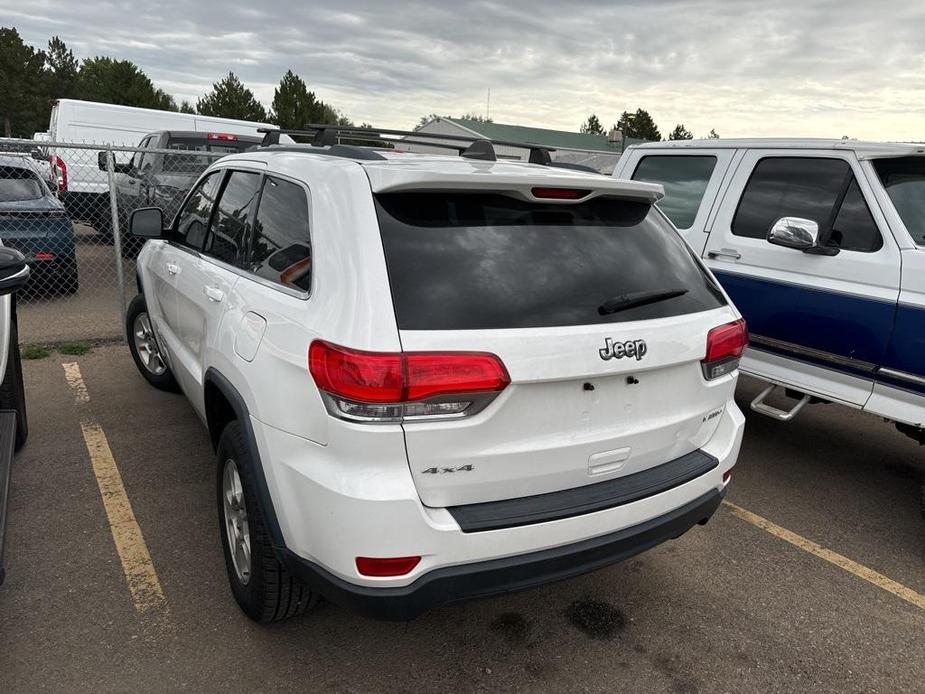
(822, 589)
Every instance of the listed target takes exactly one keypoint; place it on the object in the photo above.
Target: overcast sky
(832, 68)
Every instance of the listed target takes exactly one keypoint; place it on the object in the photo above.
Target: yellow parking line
(143, 584)
(852, 567)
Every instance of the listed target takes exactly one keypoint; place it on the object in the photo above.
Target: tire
(262, 587)
(146, 352)
(12, 390)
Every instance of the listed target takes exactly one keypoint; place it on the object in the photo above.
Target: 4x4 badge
(444, 470)
(618, 350)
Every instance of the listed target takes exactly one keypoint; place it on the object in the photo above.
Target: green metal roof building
(578, 148)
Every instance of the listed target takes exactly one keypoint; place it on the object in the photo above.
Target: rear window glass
(19, 184)
(483, 261)
(685, 179)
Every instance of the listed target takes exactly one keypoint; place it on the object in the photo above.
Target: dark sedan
(34, 222)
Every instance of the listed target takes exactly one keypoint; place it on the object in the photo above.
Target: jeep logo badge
(618, 350)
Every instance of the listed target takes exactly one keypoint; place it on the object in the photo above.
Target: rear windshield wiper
(634, 299)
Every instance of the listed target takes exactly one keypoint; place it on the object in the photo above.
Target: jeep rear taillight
(397, 386)
(725, 345)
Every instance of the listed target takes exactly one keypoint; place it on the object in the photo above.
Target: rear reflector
(725, 345)
(560, 193)
(227, 137)
(44, 255)
(389, 386)
(386, 566)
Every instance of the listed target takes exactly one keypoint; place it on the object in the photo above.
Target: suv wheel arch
(224, 404)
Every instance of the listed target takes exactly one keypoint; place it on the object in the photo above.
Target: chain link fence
(66, 207)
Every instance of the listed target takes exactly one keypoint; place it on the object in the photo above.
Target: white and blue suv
(431, 378)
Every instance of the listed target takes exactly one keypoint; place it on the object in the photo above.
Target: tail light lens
(725, 344)
(59, 171)
(397, 386)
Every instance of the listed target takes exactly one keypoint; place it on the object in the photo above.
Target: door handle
(173, 269)
(214, 293)
(730, 253)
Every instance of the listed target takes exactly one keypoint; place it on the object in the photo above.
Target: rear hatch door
(598, 311)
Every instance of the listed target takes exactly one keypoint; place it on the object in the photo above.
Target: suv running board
(759, 405)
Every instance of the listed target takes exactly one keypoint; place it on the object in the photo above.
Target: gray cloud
(824, 68)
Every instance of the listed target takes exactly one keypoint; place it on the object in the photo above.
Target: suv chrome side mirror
(147, 223)
(794, 232)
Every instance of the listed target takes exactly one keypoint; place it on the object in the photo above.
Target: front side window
(232, 216)
(904, 180)
(19, 184)
(685, 179)
(281, 251)
(193, 219)
(819, 189)
(138, 158)
(469, 261)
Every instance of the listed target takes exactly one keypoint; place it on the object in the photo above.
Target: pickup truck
(164, 168)
(821, 245)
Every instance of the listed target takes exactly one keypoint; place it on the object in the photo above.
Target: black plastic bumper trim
(481, 579)
(7, 441)
(542, 508)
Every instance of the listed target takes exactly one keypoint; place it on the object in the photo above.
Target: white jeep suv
(431, 378)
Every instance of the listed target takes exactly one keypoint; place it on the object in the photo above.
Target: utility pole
(488, 105)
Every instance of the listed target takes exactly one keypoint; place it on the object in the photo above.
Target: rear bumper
(481, 579)
(7, 440)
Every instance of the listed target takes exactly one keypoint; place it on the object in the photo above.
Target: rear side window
(282, 250)
(483, 261)
(232, 216)
(19, 184)
(822, 190)
(904, 180)
(193, 219)
(187, 161)
(685, 179)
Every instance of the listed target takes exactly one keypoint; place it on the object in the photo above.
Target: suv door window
(233, 212)
(822, 190)
(281, 250)
(685, 179)
(193, 219)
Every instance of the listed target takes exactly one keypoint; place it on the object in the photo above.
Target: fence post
(116, 232)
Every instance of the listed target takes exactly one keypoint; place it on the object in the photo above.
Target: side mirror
(14, 272)
(147, 223)
(794, 232)
(117, 167)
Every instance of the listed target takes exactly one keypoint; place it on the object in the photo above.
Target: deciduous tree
(112, 81)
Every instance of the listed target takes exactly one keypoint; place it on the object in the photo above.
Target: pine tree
(638, 125)
(229, 98)
(294, 106)
(23, 80)
(112, 81)
(592, 126)
(680, 133)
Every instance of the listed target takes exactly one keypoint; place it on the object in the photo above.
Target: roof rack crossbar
(470, 147)
(314, 129)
